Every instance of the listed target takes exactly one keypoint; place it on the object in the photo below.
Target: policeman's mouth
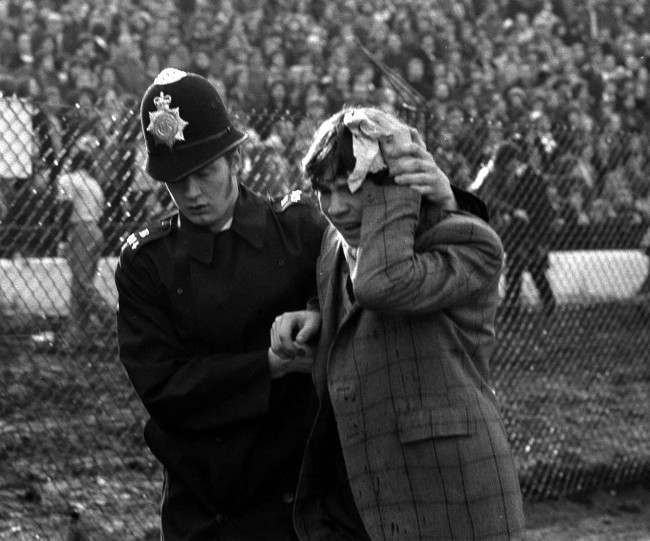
(197, 209)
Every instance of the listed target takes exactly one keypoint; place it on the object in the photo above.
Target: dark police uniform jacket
(195, 310)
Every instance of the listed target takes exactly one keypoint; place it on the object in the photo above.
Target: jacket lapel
(328, 276)
(329, 288)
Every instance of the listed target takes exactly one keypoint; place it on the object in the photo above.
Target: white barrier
(586, 276)
(41, 286)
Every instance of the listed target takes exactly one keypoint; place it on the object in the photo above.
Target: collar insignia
(165, 124)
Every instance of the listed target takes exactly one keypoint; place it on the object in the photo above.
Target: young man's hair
(330, 154)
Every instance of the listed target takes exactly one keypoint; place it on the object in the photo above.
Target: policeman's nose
(191, 187)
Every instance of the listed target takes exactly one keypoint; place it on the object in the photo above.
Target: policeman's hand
(291, 331)
(412, 165)
(281, 366)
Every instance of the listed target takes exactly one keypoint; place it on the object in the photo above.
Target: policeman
(198, 293)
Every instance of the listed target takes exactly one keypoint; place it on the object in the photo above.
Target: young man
(198, 292)
(408, 441)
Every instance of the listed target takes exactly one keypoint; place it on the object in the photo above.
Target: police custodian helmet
(185, 125)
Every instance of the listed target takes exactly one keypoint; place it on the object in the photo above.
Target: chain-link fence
(571, 369)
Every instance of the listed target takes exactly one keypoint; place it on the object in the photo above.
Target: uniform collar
(249, 220)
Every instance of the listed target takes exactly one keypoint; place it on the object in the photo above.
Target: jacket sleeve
(180, 389)
(456, 256)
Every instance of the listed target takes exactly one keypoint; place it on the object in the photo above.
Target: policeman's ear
(235, 162)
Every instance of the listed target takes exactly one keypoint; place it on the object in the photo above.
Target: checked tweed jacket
(425, 449)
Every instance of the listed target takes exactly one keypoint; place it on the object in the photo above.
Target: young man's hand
(412, 165)
(281, 366)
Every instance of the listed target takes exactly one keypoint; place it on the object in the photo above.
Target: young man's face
(343, 209)
(207, 197)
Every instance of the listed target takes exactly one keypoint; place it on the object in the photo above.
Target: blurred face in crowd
(285, 131)
(415, 70)
(574, 118)
(28, 13)
(47, 63)
(394, 43)
(343, 209)
(347, 33)
(366, 75)
(316, 108)
(455, 58)
(108, 78)
(315, 44)
(521, 20)
(455, 119)
(242, 79)
(442, 91)
(153, 64)
(439, 71)
(451, 80)
(202, 60)
(526, 73)
(428, 44)
(86, 77)
(278, 60)
(53, 96)
(360, 92)
(278, 92)
(271, 44)
(47, 45)
(24, 44)
(516, 100)
(342, 77)
(207, 197)
(86, 100)
(33, 88)
(470, 105)
(614, 123)
(255, 59)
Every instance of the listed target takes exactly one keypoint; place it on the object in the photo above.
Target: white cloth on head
(367, 126)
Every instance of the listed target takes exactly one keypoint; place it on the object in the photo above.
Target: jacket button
(179, 291)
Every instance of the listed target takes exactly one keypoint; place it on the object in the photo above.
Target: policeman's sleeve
(182, 391)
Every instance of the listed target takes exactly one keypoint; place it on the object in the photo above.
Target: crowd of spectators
(568, 79)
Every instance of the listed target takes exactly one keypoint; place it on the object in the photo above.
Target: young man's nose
(337, 204)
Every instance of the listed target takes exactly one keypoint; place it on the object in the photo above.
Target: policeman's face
(207, 197)
(343, 209)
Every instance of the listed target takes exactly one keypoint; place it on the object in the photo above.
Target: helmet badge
(165, 124)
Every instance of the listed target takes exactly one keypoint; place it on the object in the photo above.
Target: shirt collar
(248, 221)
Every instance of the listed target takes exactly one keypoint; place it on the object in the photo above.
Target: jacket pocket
(447, 421)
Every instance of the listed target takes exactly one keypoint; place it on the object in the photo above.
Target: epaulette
(150, 232)
(296, 196)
